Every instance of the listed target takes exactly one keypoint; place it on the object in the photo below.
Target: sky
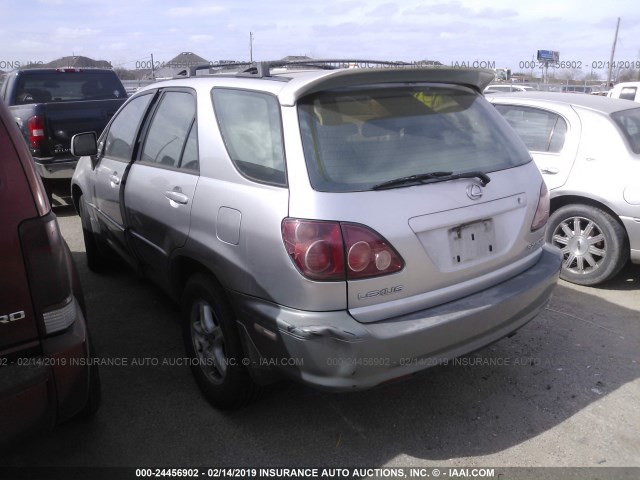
(498, 33)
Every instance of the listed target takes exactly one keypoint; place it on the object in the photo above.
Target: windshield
(356, 139)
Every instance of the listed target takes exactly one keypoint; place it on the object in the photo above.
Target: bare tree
(570, 74)
(628, 75)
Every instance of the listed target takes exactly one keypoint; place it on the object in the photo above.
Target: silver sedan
(588, 150)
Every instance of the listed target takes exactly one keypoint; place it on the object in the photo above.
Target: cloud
(66, 33)
(201, 38)
(195, 11)
(385, 10)
(125, 31)
(117, 46)
(495, 13)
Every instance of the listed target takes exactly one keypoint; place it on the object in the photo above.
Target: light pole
(251, 47)
(613, 52)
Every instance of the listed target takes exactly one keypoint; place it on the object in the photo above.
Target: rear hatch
(464, 226)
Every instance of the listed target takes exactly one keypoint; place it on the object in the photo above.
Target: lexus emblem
(474, 191)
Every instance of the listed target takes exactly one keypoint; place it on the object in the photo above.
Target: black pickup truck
(51, 105)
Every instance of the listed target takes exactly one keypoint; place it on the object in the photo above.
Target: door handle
(550, 170)
(115, 180)
(177, 196)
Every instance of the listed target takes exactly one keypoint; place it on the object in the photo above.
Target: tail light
(332, 251)
(35, 126)
(47, 261)
(542, 212)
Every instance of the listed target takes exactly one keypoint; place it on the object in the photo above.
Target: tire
(48, 188)
(212, 343)
(94, 398)
(594, 244)
(96, 260)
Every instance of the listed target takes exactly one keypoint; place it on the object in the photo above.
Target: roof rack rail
(209, 68)
(263, 69)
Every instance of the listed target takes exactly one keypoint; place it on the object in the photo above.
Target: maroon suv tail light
(331, 251)
(47, 261)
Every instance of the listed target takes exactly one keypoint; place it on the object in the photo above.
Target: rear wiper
(432, 177)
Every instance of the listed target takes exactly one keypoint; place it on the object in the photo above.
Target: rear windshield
(629, 123)
(357, 138)
(68, 87)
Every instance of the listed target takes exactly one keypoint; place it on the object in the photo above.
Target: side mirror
(84, 144)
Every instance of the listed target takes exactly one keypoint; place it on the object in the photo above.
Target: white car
(588, 150)
(508, 88)
(626, 91)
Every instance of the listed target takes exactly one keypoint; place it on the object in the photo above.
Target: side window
(540, 130)
(122, 131)
(629, 122)
(172, 132)
(628, 93)
(252, 131)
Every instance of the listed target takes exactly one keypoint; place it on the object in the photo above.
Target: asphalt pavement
(562, 392)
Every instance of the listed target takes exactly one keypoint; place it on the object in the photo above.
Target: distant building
(75, 61)
(178, 65)
(429, 63)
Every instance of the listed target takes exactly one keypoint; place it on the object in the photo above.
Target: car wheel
(593, 243)
(95, 393)
(48, 188)
(95, 258)
(213, 345)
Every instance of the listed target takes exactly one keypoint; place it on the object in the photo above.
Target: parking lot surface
(562, 392)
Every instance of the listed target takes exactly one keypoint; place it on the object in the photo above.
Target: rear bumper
(333, 351)
(37, 392)
(55, 167)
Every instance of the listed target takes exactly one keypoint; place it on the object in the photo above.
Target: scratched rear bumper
(331, 350)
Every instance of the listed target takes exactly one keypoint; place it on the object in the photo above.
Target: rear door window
(357, 138)
(171, 140)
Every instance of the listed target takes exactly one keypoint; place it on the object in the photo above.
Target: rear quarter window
(629, 122)
(251, 128)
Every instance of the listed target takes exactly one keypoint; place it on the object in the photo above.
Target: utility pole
(153, 72)
(613, 51)
(251, 47)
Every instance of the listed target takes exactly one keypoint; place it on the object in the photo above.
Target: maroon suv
(46, 373)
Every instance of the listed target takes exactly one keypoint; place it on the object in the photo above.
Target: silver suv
(342, 227)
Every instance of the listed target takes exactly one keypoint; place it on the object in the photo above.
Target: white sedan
(588, 150)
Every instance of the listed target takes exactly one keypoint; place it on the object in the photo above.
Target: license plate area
(472, 241)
